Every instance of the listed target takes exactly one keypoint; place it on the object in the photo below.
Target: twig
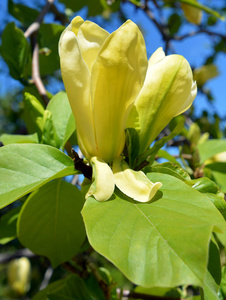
(36, 73)
(73, 269)
(34, 27)
(47, 276)
(192, 33)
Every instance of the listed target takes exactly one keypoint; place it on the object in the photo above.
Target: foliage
(173, 246)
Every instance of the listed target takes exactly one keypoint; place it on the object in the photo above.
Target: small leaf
(210, 148)
(144, 240)
(49, 136)
(62, 117)
(166, 155)
(25, 167)
(8, 225)
(150, 154)
(132, 146)
(170, 169)
(15, 50)
(174, 23)
(56, 224)
(33, 114)
(7, 139)
(203, 7)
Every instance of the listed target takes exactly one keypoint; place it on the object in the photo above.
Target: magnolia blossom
(112, 86)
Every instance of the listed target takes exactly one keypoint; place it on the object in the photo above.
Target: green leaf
(23, 13)
(8, 225)
(62, 117)
(174, 23)
(170, 169)
(163, 243)
(210, 148)
(15, 50)
(132, 145)
(158, 291)
(209, 189)
(56, 224)
(72, 287)
(33, 114)
(49, 35)
(49, 136)
(203, 7)
(25, 167)
(213, 274)
(7, 139)
(166, 155)
(93, 10)
(150, 154)
(218, 173)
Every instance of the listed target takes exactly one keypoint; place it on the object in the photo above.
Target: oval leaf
(53, 213)
(25, 167)
(163, 243)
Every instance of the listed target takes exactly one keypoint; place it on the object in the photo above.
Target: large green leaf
(15, 50)
(25, 14)
(49, 35)
(217, 171)
(163, 243)
(25, 167)
(62, 116)
(71, 287)
(8, 225)
(7, 139)
(53, 213)
(213, 274)
(210, 148)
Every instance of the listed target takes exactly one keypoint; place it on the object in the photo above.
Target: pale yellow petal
(73, 26)
(76, 77)
(103, 185)
(132, 183)
(90, 38)
(168, 90)
(158, 55)
(117, 77)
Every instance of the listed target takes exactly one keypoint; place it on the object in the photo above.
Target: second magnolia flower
(112, 86)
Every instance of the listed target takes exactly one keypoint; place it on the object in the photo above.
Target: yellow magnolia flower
(112, 86)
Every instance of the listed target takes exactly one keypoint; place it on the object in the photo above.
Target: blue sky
(195, 49)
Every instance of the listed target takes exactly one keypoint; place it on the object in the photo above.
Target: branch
(34, 27)
(36, 73)
(193, 33)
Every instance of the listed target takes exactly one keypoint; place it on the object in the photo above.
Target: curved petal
(168, 90)
(90, 38)
(132, 183)
(117, 77)
(158, 55)
(73, 26)
(103, 185)
(76, 77)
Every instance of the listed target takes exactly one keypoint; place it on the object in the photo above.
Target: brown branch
(34, 27)
(193, 33)
(36, 73)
